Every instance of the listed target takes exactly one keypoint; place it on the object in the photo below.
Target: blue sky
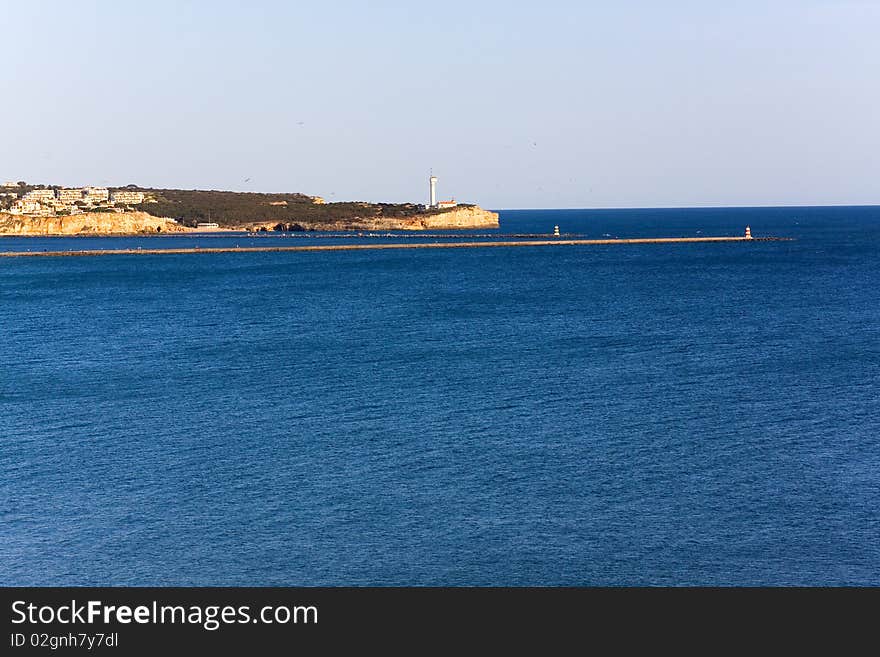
(554, 104)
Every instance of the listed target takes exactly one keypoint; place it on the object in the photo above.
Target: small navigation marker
(556, 231)
(748, 233)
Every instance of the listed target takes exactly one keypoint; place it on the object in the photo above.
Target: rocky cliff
(88, 223)
(132, 223)
(463, 217)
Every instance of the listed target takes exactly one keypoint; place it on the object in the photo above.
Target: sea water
(622, 414)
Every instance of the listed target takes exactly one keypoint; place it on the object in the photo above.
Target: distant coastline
(53, 210)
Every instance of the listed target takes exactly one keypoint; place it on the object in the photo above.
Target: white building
(69, 196)
(23, 206)
(432, 192)
(434, 203)
(126, 197)
(96, 194)
(40, 195)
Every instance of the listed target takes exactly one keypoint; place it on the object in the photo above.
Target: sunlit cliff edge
(463, 217)
(133, 223)
(89, 223)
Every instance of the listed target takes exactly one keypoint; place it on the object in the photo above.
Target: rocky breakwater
(89, 223)
(463, 217)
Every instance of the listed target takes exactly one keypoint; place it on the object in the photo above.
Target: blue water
(622, 414)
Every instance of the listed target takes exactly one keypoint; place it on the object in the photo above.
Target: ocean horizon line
(691, 207)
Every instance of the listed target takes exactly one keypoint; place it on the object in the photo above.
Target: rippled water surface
(622, 414)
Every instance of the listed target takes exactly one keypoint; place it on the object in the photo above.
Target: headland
(53, 210)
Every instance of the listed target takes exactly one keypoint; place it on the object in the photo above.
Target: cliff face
(457, 218)
(131, 223)
(89, 223)
(465, 217)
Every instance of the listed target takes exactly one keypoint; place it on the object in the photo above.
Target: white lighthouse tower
(433, 192)
(748, 232)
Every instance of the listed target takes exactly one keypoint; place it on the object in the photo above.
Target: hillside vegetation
(238, 209)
